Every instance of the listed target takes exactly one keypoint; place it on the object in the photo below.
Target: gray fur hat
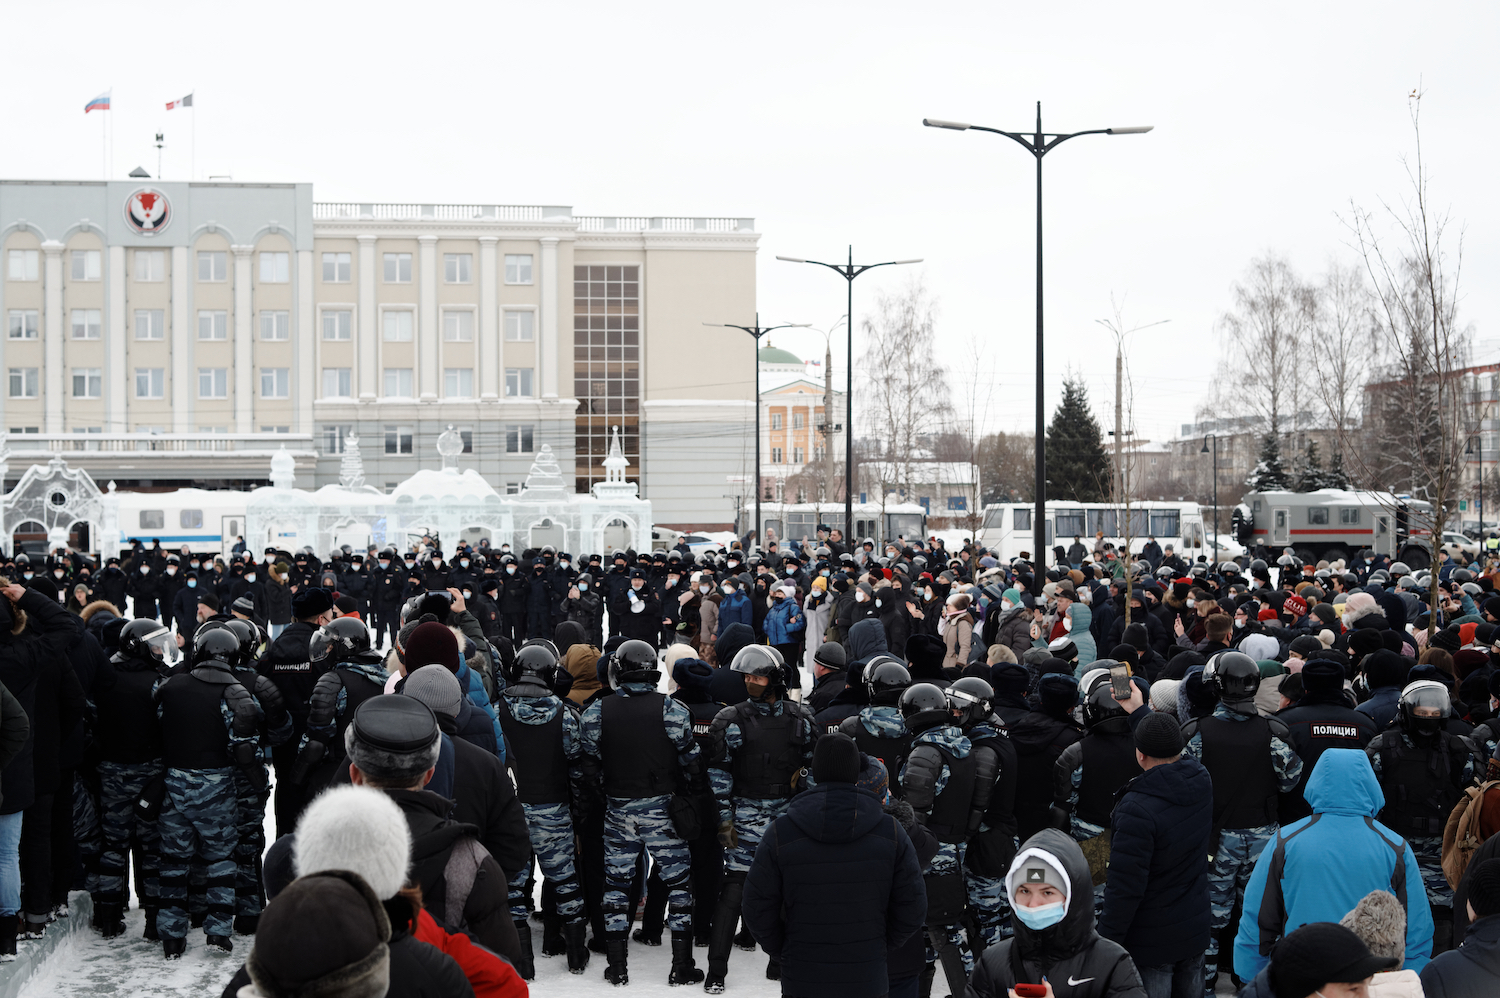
(1379, 920)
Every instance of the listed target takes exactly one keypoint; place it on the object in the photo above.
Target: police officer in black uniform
(386, 583)
(1320, 720)
(353, 673)
(288, 664)
(879, 729)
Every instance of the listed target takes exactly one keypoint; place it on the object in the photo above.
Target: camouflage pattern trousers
(630, 825)
(198, 822)
(120, 786)
(989, 908)
(1230, 871)
(550, 827)
(250, 843)
(751, 819)
(1429, 852)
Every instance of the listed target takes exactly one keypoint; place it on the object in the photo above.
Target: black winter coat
(1472, 970)
(1070, 950)
(835, 884)
(1039, 739)
(1156, 897)
(50, 634)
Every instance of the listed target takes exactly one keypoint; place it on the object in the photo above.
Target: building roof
(775, 355)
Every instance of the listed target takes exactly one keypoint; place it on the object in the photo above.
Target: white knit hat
(356, 829)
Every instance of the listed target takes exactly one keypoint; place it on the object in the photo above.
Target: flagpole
(103, 147)
(193, 129)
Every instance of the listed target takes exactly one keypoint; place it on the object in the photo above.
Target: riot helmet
(338, 641)
(1232, 676)
(925, 706)
(145, 638)
(1424, 707)
(972, 699)
(886, 679)
(217, 644)
(633, 662)
(534, 662)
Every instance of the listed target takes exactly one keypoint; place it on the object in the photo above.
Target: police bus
(1337, 523)
(872, 521)
(1007, 528)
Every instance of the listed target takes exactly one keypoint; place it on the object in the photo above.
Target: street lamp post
(1039, 144)
(1215, 437)
(757, 331)
(849, 271)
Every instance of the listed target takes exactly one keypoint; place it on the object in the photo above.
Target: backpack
(1461, 835)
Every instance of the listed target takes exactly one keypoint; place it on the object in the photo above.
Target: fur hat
(1057, 693)
(325, 937)
(358, 829)
(1380, 921)
(1359, 604)
(393, 740)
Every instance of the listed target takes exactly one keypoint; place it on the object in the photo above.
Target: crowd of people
(894, 769)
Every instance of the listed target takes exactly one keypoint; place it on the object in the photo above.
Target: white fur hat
(356, 829)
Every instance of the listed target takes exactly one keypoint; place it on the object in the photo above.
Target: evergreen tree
(1336, 477)
(1311, 477)
(1270, 473)
(1077, 466)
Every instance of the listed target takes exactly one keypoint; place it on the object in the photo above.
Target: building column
(182, 344)
(367, 347)
(116, 376)
(304, 335)
(546, 352)
(428, 334)
(53, 375)
(244, 373)
(489, 318)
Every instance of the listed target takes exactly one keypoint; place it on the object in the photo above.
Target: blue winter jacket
(784, 622)
(473, 687)
(1340, 854)
(1382, 706)
(735, 609)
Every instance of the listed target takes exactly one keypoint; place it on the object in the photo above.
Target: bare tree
(1343, 328)
(1263, 335)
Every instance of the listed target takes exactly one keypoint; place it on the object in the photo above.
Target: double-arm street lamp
(1039, 144)
(757, 331)
(848, 271)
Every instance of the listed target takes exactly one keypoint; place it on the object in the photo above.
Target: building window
(275, 325)
(212, 326)
(398, 439)
(517, 268)
(798, 455)
(606, 367)
(275, 429)
(23, 265)
(466, 434)
(337, 268)
(518, 382)
(150, 324)
(338, 382)
(958, 503)
(18, 430)
(334, 437)
(1349, 516)
(213, 266)
(457, 267)
(275, 382)
(820, 453)
(88, 382)
(397, 268)
(458, 327)
(458, 383)
(150, 265)
(519, 438)
(213, 382)
(520, 327)
(398, 382)
(338, 324)
(23, 323)
(397, 326)
(775, 420)
(799, 420)
(512, 488)
(150, 382)
(775, 455)
(87, 265)
(275, 268)
(87, 323)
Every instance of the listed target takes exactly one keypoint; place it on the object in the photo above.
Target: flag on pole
(100, 103)
(184, 102)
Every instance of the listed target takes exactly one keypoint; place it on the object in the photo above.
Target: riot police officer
(352, 672)
(939, 781)
(762, 746)
(992, 840)
(879, 730)
(1423, 770)
(542, 741)
(1252, 762)
(638, 747)
(128, 738)
(210, 728)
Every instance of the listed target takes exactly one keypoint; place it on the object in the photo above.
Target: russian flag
(184, 102)
(100, 103)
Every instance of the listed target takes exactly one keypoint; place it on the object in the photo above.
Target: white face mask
(860, 598)
(705, 589)
(728, 590)
(1067, 623)
(510, 570)
(145, 570)
(1192, 603)
(250, 577)
(1006, 605)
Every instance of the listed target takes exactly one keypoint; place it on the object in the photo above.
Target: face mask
(505, 549)
(1239, 623)
(468, 595)
(192, 583)
(170, 571)
(58, 573)
(879, 603)
(583, 587)
(30, 574)
(566, 564)
(385, 564)
(728, 590)
(860, 598)
(927, 595)
(464, 563)
(1006, 605)
(704, 589)
(144, 571)
(671, 580)
(510, 570)
(250, 577)
(1192, 603)
(1041, 917)
(825, 573)
(1067, 623)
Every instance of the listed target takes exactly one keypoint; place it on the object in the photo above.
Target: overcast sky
(1270, 118)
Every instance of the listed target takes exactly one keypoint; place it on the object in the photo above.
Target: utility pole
(830, 488)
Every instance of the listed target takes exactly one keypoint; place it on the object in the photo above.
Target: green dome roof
(776, 355)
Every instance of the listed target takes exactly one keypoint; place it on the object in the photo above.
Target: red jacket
(489, 976)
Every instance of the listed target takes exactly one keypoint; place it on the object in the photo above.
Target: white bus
(206, 520)
(1007, 528)
(794, 521)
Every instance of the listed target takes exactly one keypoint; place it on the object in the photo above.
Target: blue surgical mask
(1043, 916)
(192, 583)
(583, 587)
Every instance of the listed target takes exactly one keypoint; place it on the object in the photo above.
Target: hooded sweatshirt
(1071, 955)
(866, 640)
(1334, 859)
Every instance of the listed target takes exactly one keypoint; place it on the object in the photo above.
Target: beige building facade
(165, 334)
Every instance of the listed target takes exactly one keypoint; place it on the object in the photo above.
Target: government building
(164, 334)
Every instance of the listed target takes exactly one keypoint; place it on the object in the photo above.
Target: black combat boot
(773, 969)
(150, 932)
(578, 951)
(615, 948)
(8, 928)
(684, 970)
(109, 919)
(553, 943)
(526, 964)
(173, 949)
(245, 925)
(221, 943)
